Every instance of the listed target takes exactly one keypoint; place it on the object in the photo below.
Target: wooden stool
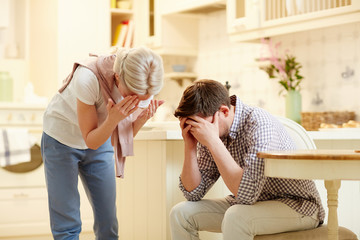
(319, 233)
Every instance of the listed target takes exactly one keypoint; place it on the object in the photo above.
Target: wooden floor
(83, 236)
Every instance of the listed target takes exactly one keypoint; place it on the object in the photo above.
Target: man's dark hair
(203, 97)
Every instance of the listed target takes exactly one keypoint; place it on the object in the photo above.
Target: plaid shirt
(254, 130)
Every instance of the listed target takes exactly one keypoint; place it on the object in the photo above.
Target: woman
(103, 97)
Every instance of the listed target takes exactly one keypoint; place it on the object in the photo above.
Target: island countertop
(170, 130)
(167, 130)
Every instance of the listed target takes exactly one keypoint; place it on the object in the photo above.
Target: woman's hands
(121, 110)
(146, 114)
(95, 135)
(149, 111)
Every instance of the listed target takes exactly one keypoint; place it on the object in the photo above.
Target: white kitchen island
(150, 187)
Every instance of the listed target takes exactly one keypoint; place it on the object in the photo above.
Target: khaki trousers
(238, 222)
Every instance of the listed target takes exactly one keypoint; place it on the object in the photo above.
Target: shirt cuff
(196, 194)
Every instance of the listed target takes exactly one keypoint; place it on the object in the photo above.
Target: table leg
(332, 187)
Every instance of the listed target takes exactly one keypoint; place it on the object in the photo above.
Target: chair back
(297, 133)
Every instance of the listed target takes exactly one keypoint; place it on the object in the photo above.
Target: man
(222, 136)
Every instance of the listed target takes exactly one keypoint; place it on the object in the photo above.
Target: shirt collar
(236, 102)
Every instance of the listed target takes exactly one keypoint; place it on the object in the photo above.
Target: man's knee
(239, 212)
(183, 214)
(237, 218)
(180, 211)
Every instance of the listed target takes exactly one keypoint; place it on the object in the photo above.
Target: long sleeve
(209, 175)
(261, 138)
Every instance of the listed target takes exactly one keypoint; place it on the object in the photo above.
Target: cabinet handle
(21, 195)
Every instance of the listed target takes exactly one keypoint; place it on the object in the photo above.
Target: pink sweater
(122, 136)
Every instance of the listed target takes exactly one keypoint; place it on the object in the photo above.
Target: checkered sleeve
(209, 175)
(261, 138)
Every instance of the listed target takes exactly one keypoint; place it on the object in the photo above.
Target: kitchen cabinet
(166, 34)
(71, 33)
(14, 36)
(251, 20)
(4, 13)
(194, 7)
(118, 16)
(150, 187)
(24, 209)
(25, 46)
(23, 194)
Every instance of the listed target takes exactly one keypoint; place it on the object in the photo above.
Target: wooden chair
(304, 141)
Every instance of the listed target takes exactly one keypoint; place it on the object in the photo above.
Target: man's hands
(197, 129)
(189, 140)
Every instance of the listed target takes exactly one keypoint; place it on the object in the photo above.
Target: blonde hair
(140, 69)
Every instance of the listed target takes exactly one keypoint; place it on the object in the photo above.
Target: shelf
(118, 16)
(118, 11)
(181, 75)
(22, 106)
(172, 51)
(336, 134)
(196, 7)
(8, 63)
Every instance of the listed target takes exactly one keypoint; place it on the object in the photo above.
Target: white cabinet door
(169, 34)
(150, 189)
(251, 20)
(243, 15)
(4, 13)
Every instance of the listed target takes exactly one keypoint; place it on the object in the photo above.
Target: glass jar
(6, 87)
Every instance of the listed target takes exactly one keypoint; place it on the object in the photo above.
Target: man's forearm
(229, 170)
(190, 175)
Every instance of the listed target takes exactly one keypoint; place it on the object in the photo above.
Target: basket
(311, 120)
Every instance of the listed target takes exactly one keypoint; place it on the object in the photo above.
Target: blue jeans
(63, 164)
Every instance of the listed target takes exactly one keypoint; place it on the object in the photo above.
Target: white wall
(83, 28)
(324, 53)
(62, 32)
(43, 55)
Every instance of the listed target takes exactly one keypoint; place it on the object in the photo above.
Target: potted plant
(286, 70)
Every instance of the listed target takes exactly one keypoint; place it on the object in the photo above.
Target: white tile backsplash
(324, 53)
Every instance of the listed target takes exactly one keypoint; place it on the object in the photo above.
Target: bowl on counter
(178, 67)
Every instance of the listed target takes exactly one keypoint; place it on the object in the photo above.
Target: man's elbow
(250, 201)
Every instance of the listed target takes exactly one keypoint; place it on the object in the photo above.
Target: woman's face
(124, 91)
